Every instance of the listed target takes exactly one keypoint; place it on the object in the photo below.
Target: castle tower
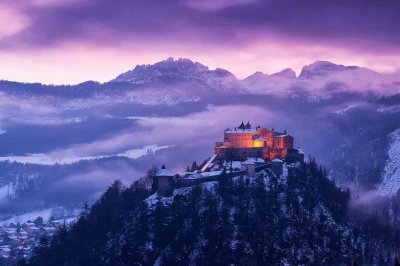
(249, 166)
(241, 126)
(277, 166)
(164, 179)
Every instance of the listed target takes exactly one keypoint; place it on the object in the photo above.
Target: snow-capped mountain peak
(322, 68)
(182, 69)
(286, 73)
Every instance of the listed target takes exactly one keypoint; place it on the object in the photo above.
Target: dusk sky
(70, 41)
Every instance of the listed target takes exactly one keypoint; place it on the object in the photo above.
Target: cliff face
(298, 218)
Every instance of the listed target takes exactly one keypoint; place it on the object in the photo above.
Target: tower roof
(247, 126)
(277, 160)
(164, 172)
(249, 161)
(241, 126)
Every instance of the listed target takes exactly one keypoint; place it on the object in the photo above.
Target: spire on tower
(248, 126)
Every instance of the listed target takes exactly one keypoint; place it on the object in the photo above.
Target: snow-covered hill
(391, 175)
(52, 159)
(295, 219)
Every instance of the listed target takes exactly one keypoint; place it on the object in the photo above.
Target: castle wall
(267, 135)
(189, 182)
(285, 142)
(240, 153)
(294, 156)
(164, 185)
(238, 140)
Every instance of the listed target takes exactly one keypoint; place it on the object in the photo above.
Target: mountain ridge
(184, 78)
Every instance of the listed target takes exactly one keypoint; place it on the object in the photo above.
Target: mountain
(323, 68)
(326, 77)
(278, 83)
(284, 74)
(182, 71)
(321, 78)
(298, 218)
(287, 73)
(182, 68)
(173, 81)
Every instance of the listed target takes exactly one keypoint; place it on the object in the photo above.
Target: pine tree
(194, 167)
(85, 210)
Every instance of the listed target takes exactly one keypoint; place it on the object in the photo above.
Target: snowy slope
(45, 214)
(45, 159)
(391, 174)
(3, 192)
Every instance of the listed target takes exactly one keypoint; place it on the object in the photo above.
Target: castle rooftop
(237, 130)
(164, 172)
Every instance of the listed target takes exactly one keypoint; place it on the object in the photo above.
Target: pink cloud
(216, 4)
(15, 20)
(72, 41)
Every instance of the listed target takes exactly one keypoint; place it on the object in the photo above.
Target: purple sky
(69, 41)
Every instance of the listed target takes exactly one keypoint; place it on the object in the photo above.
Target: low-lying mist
(66, 151)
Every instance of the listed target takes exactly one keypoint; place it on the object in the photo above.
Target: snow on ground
(235, 164)
(137, 153)
(205, 174)
(389, 109)
(147, 97)
(345, 109)
(45, 214)
(391, 174)
(284, 176)
(210, 186)
(67, 220)
(154, 198)
(44, 159)
(318, 98)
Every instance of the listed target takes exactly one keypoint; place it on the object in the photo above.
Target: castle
(244, 141)
(254, 149)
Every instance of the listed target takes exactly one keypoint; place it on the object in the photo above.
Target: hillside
(299, 218)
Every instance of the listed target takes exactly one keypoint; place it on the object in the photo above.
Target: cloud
(32, 110)
(216, 4)
(88, 39)
(151, 134)
(190, 130)
(90, 184)
(16, 21)
(199, 129)
(360, 24)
